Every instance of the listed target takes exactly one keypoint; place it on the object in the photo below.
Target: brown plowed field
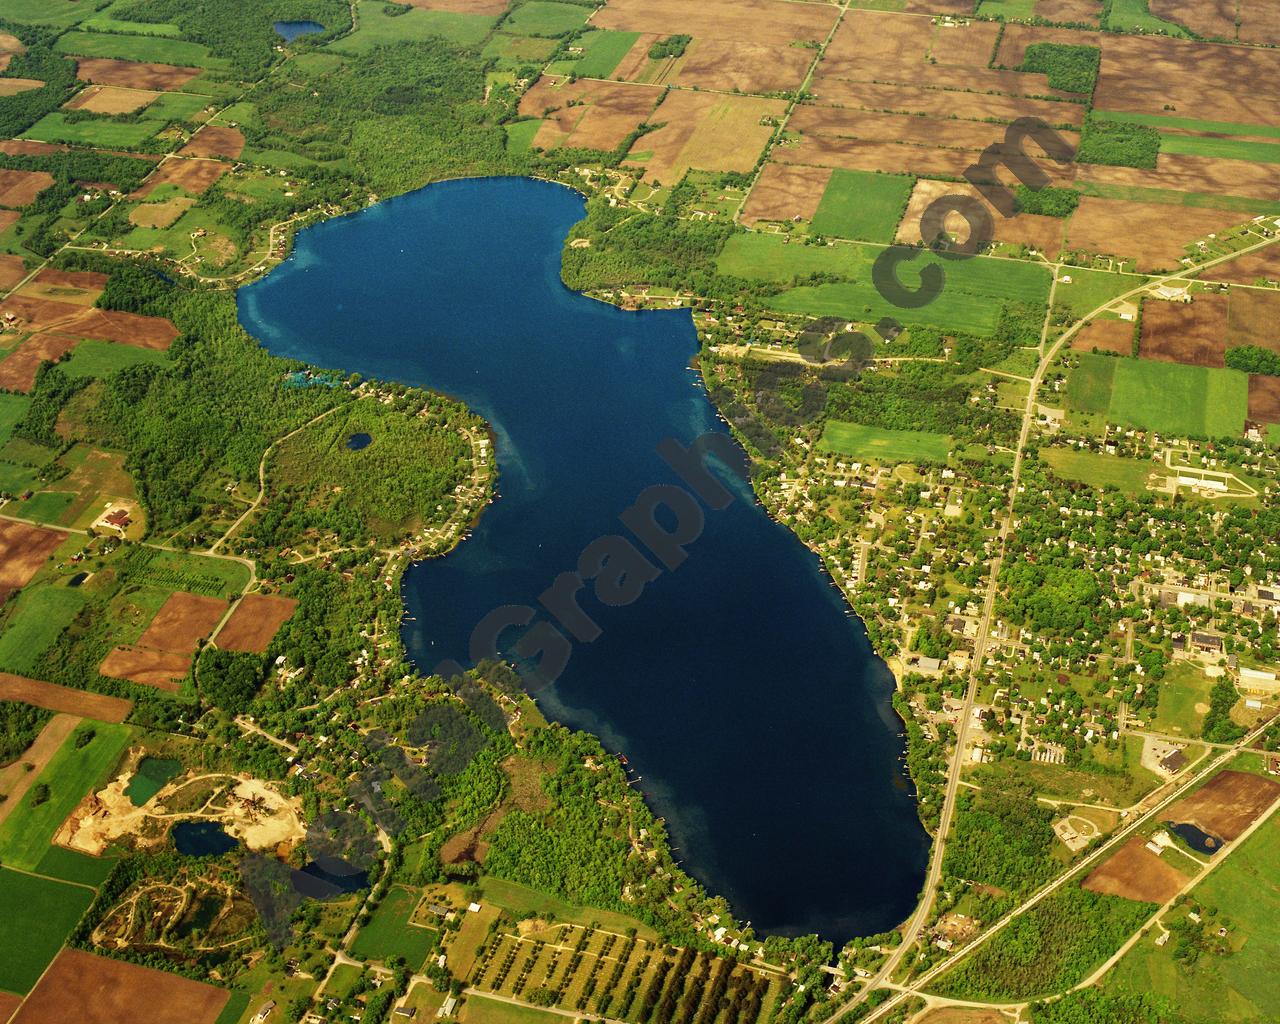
(1264, 399)
(786, 191)
(192, 176)
(1154, 234)
(24, 549)
(87, 279)
(750, 21)
(63, 699)
(874, 126)
(1135, 873)
(1105, 336)
(939, 103)
(20, 188)
(210, 141)
(959, 7)
(78, 289)
(1016, 39)
(489, 8)
(607, 114)
(1253, 318)
(13, 86)
(161, 215)
(161, 669)
(1043, 233)
(1070, 11)
(18, 371)
(1149, 74)
(1185, 332)
(1250, 268)
(1226, 805)
(1213, 19)
(183, 621)
(110, 99)
(82, 322)
(8, 1003)
(132, 74)
(90, 989)
(26, 147)
(1260, 21)
(709, 131)
(8, 218)
(857, 155)
(636, 60)
(962, 1015)
(968, 45)
(255, 622)
(878, 37)
(1194, 174)
(733, 65)
(12, 269)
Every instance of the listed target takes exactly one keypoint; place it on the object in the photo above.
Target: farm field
(376, 28)
(106, 134)
(40, 615)
(479, 1010)
(254, 623)
(103, 358)
(863, 206)
(1135, 873)
(545, 18)
(520, 900)
(603, 52)
(38, 916)
(147, 49)
(878, 445)
(391, 934)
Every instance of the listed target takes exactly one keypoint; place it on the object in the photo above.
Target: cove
(744, 695)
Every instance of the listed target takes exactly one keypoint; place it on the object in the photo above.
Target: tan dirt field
(20, 188)
(968, 45)
(1260, 21)
(161, 215)
(12, 269)
(491, 8)
(1180, 173)
(1105, 336)
(23, 550)
(1070, 11)
(8, 1004)
(90, 989)
(608, 113)
(162, 669)
(961, 1015)
(1179, 332)
(101, 324)
(183, 621)
(1253, 318)
(737, 66)
(1250, 268)
(80, 289)
(255, 622)
(875, 126)
(193, 176)
(14, 86)
(706, 131)
(784, 191)
(1135, 873)
(954, 7)
(1213, 19)
(11, 44)
(26, 147)
(18, 371)
(214, 142)
(1016, 39)
(132, 74)
(1036, 232)
(1226, 805)
(110, 99)
(1264, 399)
(636, 60)
(876, 38)
(857, 155)
(63, 699)
(1154, 234)
(910, 99)
(86, 279)
(8, 218)
(751, 21)
(15, 779)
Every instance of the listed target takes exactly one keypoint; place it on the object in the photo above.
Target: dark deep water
(290, 30)
(202, 839)
(738, 687)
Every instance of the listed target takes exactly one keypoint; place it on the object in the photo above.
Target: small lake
(290, 30)
(739, 686)
(150, 777)
(359, 442)
(326, 877)
(1197, 839)
(202, 839)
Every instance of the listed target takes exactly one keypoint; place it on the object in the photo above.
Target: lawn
(1090, 384)
(378, 29)
(103, 358)
(972, 294)
(546, 18)
(39, 618)
(479, 1010)
(70, 774)
(1098, 469)
(154, 49)
(105, 132)
(603, 51)
(39, 914)
(12, 409)
(1244, 986)
(863, 205)
(390, 934)
(1182, 689)
(878, 445)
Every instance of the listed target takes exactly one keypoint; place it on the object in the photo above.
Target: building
(1174, 763)
(1259, 680)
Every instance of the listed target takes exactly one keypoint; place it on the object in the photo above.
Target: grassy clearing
(1123, 782)
(39, 618)
(1010, 10)
(47, 12)
(105, 23)
(103, 132)
(546, 18)
(378, 29)
(177, 570)
(391, 934)
(12, 409)
(863, 205)
(878, 445)
(603, 51)
(175, 106)
(1098, 470)
(71, 773)
(1167, 197)
(103, 358)
(70, 866)
(153, 49)
(1183, 687)
(520, 135)
(39, 915)
(520, 900)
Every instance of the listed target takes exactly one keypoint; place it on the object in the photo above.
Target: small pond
(202, 839)
(1197, 839)
(325, 877)
(77, 579)
(358, 442)
(150, 777)
(290, 30)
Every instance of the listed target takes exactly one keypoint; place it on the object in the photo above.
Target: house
(119, 518)
(1174, 763)
(1207, 643)
(265, 1012)
(407, 1012)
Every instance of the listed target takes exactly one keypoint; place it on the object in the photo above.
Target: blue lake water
(359, 442)
(202, 839)
(744, 695)
(290, 30)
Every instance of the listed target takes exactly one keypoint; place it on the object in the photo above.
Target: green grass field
(1098, 470)
(546, 18)
(103, 132)
(1183, 687)
(1090, 289)
(175, 106)
(970, 300)
(878, 445)
(154, 49)
(513, 51)
(520, 899)
(390, 934)
(105, 23)
(1193, 124)
(1201, 200)
(70, 866)
(1244, 986)
(863, 205)
(40, 616)
(603, 50)
(46, 12)
(1010, 10)
(1224, 149)
(1090, 384)
(70, 774)
(39, 914)
(1130, 15)
(177, 570)
(12, 409)
(378, 29)
(103, 358)
(520, 135)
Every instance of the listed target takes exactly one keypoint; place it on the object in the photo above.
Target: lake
(290, 30)
(202, 839)
(742, 691)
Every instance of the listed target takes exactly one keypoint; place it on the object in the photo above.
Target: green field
(603, 50)
(479, 1010)
(104, 132)
(1193, 124)
(177, 570)
(175, 106)
(40, 616)
(863, 205)
(39, 914)
(105, 23)
(12, 409)
(1201, 200)
(103, 358)
(1183, 687)
(878, 445)
(390, 934)
(512, 51)
(970, 299)
(234, 1010)
(1131, 15)
(520, 135)
(1223, 149)
(545, 18)
(376, 28)
(520, 900)
(70, 866)
(1009, 10)
(70, 774)
(46, 12)
(1090, 289)
(155, 49)
(1243, 986)
(1098, 469)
